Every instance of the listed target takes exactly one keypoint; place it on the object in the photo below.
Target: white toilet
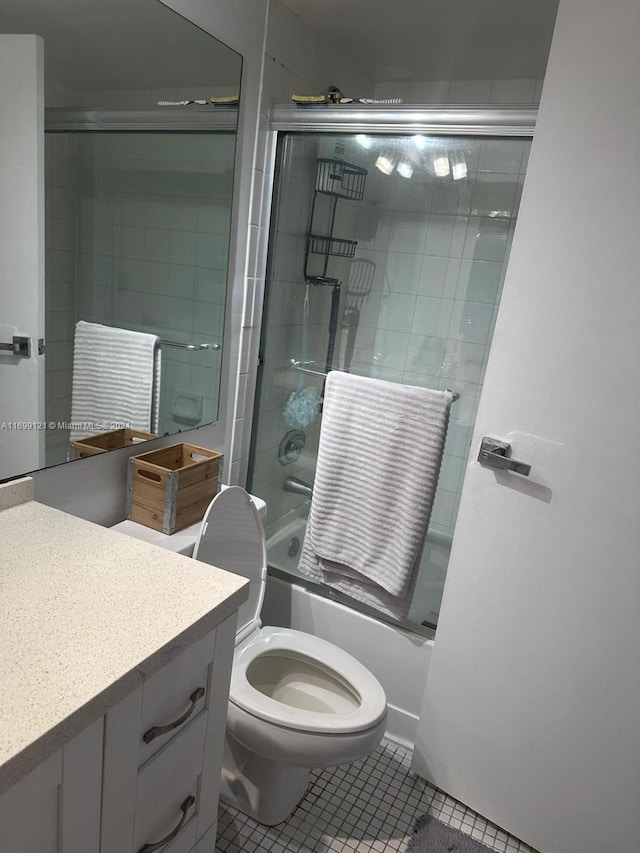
(296, 702)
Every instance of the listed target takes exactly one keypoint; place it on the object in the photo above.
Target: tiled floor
(369, 805)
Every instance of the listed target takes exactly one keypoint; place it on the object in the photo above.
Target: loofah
(301, 408)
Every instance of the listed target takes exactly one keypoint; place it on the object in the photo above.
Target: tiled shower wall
(137, 237)
(153, 237)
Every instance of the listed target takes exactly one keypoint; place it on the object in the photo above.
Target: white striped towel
(116, 380)
(379, 459)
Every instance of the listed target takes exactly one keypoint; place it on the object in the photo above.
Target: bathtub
(284, 552)
(398, 657)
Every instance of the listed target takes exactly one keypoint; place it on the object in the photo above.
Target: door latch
(496, 454)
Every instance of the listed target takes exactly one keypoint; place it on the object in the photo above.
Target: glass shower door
(399, 280)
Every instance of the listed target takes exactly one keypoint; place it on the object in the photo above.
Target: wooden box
(105, 441)
(170, 488)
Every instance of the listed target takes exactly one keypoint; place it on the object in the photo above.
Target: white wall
(21, 246)
(297, 62)
(498, 92)
(540, 681)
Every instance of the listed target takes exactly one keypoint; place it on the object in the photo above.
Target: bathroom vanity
(115, 659)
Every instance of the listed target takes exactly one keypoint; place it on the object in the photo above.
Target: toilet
(296, 702)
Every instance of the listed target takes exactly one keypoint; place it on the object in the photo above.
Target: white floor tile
(370, 805)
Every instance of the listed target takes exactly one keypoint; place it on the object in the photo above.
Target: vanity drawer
(142, 796)
(175, 696)
(167, 801)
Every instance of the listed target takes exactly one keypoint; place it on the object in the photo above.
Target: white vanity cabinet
(56, 807)
(163, 752)
(116, 660)
(144, 777)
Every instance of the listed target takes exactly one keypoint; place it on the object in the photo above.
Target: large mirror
(139, 148)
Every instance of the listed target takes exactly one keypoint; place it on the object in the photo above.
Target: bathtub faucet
(298, 487)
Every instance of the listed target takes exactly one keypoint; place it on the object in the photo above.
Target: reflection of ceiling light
(459, 170)
(363, 140)
(419, 141)
(441, 167)
(405, 169)
(384, 164)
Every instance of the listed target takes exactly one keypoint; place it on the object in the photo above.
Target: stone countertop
(86, 615)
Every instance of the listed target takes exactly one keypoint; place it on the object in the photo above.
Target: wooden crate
(102, 442)
(170, 488)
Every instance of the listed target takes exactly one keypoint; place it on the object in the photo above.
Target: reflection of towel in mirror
(381, 447)
(116, 373)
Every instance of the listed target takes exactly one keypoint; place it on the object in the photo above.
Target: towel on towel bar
(379, 458)
(116, 379)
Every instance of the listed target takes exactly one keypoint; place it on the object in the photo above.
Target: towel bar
(299, 367)
(190, 347)
(161, 342)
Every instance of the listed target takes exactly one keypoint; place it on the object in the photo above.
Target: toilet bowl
(296, 702)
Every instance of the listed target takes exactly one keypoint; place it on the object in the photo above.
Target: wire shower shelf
(340, 179)
(339, 248)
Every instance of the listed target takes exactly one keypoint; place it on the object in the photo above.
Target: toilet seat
(345, 674)
(280, 676)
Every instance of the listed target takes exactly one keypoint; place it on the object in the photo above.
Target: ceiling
(417, 40)
(117, 44)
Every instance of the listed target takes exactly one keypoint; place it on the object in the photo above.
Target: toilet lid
(232, 538)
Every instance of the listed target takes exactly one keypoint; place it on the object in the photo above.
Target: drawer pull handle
(156, 731)
(158, 845)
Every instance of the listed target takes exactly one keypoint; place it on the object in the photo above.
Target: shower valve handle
(495, 454)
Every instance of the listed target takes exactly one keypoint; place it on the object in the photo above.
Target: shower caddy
(340, 181)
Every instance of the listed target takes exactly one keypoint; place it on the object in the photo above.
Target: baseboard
(401, 726)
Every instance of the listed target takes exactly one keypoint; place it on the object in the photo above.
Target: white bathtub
(284, 552)
(398, 658)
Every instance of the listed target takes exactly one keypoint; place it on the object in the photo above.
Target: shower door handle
(19, 345)
(495, 454)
